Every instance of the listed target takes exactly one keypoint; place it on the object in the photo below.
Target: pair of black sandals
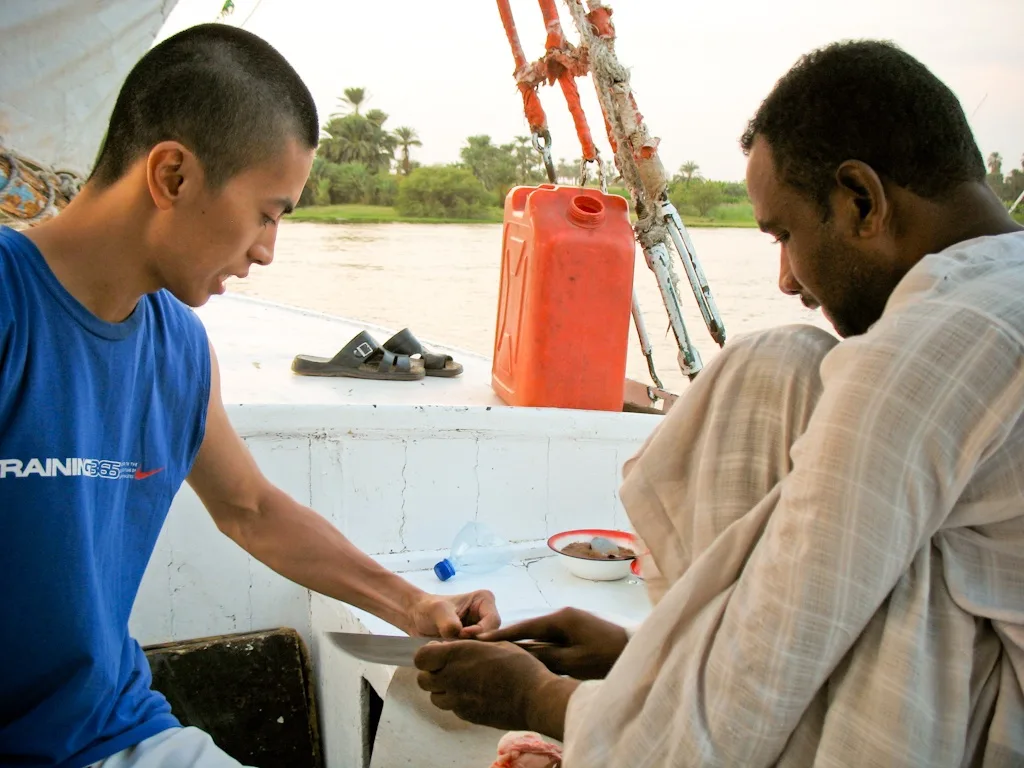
(400, 358)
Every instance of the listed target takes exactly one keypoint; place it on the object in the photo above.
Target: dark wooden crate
(253, 693)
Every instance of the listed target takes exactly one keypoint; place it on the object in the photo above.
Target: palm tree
(377, 116)
(346, 140)
(995, 164)
(353, 99)
(384, 143)
(492, 165)
(688, 170)
(359, 139)
(525, 158)
(406, 138)
(568, 171)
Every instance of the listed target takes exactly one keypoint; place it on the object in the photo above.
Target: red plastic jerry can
(564, 303)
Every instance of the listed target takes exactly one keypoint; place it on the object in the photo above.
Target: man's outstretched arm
(304, 547)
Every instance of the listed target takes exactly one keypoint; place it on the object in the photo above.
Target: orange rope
(531, 101)
(556, 39)
(561, 63)
(561, 67)
(572, 100)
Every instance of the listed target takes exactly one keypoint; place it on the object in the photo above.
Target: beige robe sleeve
(731, 658)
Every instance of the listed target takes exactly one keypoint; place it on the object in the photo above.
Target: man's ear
(172, 173)
(859, 200)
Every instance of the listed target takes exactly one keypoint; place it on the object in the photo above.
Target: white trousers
(173, 748)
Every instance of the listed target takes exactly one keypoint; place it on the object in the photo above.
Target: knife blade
(394, 650)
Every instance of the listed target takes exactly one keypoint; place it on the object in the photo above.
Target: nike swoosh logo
(140, 475)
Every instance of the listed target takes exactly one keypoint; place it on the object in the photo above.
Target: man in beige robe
(837, 527)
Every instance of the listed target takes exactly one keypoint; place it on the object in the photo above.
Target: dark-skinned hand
(571, 642)
(494, 684)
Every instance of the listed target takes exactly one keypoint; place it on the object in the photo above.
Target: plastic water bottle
(476, 549)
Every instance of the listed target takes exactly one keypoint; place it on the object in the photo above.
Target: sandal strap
(392, 363)
(360, 349)
(404, 343)
(435, 361)
(363, 349)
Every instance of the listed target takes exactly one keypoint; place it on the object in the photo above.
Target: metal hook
(602, 178)
(542, 143)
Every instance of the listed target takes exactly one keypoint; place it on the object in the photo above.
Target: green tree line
(361, 160)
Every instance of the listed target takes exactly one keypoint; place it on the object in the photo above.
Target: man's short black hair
(870, 101)
(224, 93)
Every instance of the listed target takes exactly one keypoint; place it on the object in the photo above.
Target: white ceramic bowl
(594, 570)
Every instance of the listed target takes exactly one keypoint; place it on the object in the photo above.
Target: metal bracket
(698, 282)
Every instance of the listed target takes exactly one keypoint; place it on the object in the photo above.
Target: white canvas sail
(63, 62)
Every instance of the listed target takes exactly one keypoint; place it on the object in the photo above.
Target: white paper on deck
(413, 732)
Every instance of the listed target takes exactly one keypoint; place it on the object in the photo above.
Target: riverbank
(377, 214)
(380, 214)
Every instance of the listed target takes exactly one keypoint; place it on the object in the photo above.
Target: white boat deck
(398, 467)
(524, 590)
(256, 340)
(533, 588)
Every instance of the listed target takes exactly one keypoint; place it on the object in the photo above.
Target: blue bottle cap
(444, 570)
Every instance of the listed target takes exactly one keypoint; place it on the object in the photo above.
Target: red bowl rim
(592, 532)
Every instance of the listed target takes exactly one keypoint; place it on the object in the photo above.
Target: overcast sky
(699, 68)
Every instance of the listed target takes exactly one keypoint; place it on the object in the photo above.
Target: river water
(442, 282)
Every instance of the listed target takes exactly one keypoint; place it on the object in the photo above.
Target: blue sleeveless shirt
(99, 425)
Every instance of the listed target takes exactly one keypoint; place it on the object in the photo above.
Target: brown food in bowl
(584, 550)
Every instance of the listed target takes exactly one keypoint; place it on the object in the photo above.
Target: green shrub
(733, 212)
(696, 197)
(442, 192)
(348, 182)
(382, 190)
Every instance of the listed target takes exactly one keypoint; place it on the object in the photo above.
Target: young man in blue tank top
(110, 398)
